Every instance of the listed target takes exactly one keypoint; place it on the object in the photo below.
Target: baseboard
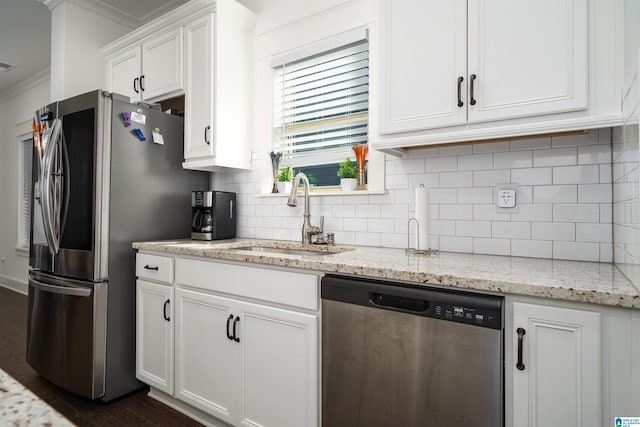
(13, 284)
(186, 409)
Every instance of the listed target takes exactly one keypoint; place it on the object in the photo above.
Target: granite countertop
(590, 282)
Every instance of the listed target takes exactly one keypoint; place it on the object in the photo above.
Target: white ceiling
(25, 31)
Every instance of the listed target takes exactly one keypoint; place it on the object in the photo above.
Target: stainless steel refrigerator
(98, 186)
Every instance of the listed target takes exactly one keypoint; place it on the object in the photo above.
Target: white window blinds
(26, 148)
(321, 105)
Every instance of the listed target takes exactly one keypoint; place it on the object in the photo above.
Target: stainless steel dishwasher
(400, 355)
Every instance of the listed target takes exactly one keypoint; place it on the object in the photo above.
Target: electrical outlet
(507, 198)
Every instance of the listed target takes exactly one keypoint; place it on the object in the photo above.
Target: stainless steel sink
(286, 251)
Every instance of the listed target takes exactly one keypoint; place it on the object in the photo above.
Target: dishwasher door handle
(414, 305)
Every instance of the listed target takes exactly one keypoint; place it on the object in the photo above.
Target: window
(321, 107)
(24, 218)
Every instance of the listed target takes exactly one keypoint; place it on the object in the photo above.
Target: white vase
(284, 187)
(348, 184)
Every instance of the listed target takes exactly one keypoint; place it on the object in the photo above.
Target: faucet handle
(321, 224)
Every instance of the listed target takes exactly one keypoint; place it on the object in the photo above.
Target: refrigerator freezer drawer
(66, 325)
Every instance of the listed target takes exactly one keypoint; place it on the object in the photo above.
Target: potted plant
(347, 174)
(285, 177)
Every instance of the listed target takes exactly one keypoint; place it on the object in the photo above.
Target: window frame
(375, 159)
(23, 134)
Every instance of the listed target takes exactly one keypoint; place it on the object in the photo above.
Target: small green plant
(286, 174)
(347, 169)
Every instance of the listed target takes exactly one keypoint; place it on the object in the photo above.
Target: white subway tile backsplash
(555, 194)
(580, 251)
(530, 144)
(555, 157)
(475, 195)
(443, 195)
(587, 174)
(456, 179)
(596, 193)
(512, 230)
(410, 166)
(532, 248)
(576, 213)
(475, 162)
(491, 147)
(491, 177)
(473, 228)
(380, 225)
(513, 159)
(586, 232)
(588, 138)
(564, 200)
(594, 154)
(553, 231)
(456, 244)
(533, 212)
(460, 212)
(531, 176)
(441, 164)
(492, 246)
(355, 224)
(455, 150)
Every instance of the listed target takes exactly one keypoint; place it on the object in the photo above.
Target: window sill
(334, 191)
(22, 251)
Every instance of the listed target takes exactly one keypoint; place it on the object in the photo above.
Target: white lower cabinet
(244, 362)
(154, 344)
(556, 366)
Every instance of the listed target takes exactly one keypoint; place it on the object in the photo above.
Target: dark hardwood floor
(136, 409)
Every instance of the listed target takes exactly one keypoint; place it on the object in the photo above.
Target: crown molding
(29, 83)
(100, 9)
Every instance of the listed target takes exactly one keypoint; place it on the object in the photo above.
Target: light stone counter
(598, 283)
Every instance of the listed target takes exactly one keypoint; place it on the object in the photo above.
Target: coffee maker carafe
(213, 215)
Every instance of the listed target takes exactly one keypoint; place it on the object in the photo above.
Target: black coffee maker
(213, 215)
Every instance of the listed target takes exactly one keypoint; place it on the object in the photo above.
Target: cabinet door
(279, 367)
(560, 384)
(204, 370)
(154, 329)
(423, 54)
(529, 58)
(199, 93)
(162, 65)
(123, 73)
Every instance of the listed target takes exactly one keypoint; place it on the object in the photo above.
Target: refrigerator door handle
(46, 186)
(63, 290)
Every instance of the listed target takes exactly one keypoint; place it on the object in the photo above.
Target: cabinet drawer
(154, 267)
(283, 287)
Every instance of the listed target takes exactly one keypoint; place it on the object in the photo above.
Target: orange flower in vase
(361, 154)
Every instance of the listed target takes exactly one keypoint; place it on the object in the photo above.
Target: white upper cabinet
(218, 103)
(424, 49)
(152, 70)
(465, 70)
(528, 58)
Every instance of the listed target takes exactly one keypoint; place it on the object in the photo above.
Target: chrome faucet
(308, 230)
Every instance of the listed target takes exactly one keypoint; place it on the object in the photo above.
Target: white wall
(15, 109)
(77, 34)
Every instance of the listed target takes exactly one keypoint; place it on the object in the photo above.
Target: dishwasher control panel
(464, 314)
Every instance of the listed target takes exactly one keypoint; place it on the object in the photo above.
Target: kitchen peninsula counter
(588, 282)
